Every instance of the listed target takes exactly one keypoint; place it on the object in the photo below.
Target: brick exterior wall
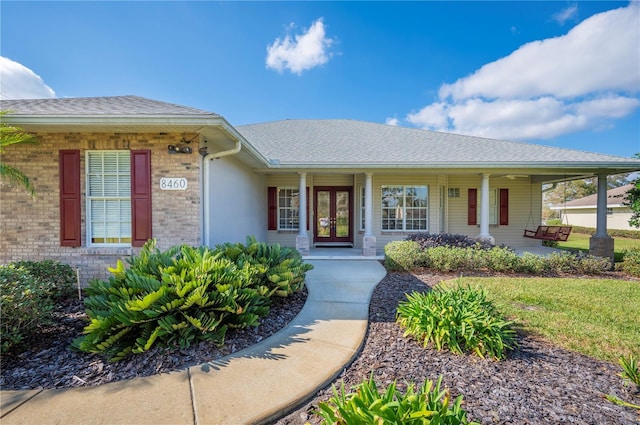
(30, 228)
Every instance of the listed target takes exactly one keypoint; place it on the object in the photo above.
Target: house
(582, 212)
(112, 172)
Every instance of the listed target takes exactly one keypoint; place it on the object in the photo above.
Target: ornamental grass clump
(459, 318)
(428, 404)
(185, 295)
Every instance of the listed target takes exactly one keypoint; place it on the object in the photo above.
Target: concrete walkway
(254, 385)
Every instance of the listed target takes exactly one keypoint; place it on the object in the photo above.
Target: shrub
(367, 405)
(630, 372)
(60, 277)
(532, 264)
(26, 305)
(568, 263)
(447, 259)
(460, 318)
(185, 295)
(428, 240)
(630, 262)
(403, 255)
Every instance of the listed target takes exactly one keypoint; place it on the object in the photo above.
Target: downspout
(206, 223)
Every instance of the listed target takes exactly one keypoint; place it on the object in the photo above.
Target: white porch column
(302, 239)
(484, 210)
(369, 240)
(601, 244)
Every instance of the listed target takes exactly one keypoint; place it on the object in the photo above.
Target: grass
(596, 317)
(580, 241)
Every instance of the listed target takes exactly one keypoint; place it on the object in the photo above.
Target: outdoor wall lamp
(179, 149)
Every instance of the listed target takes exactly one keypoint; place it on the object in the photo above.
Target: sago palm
(10, 135)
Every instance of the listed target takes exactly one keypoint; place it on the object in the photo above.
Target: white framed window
(288, 208)
(405, 208)
(493, 206)
(108, 198)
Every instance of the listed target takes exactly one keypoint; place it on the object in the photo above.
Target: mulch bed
(538, 384)
(51, 363)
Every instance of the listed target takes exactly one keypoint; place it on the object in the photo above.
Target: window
(493, 207)
(454, 192)
(108, 198)
(404, 208)
(288, 205)
(498, 207)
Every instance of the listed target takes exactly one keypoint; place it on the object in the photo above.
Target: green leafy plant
(630, 370)
(25, 304)
(429, 404)
(459, 318)
(182, 296)
(60, 277)
(403, 255)
(629, 374)
(631, 262)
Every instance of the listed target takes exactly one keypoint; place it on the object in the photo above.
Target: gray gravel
(538, 384)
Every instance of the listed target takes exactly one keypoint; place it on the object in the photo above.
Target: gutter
(206, 220)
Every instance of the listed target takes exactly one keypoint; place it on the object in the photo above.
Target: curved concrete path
(254, 385)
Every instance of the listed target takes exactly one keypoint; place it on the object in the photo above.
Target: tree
(10, 135)
(632, 200)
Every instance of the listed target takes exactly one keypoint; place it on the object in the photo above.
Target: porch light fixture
(179, 149)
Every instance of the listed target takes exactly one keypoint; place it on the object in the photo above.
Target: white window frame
(402, 208)
(493, 206)
(293, 209)
(124, 237)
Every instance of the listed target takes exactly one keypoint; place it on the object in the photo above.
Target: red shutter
(140, 197)
(70, 198)
(472, 213)
(272, 208)
(504, 207)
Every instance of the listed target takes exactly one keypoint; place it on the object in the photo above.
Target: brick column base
(302, 244)
(369, 246)
(601, 246)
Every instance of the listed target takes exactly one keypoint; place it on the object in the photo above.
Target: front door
(333, 222)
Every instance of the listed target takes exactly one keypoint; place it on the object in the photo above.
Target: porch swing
(547, 233)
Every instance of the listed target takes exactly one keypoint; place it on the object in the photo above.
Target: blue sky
(564, 74)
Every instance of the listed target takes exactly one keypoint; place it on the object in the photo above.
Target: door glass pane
(324, 219)
(342, 214)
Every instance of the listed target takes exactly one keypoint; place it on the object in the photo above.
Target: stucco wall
(30, 228)
(238, 202)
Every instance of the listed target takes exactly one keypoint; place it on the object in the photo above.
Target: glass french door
(333, 221)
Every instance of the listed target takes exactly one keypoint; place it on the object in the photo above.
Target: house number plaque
(173, 183)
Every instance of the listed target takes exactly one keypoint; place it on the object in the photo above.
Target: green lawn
(597, 317)
(581, 241)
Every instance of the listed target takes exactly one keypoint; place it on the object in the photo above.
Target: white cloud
(392, 121)
(582, 80)
(565, 14)
(300, 52)
(19, 82)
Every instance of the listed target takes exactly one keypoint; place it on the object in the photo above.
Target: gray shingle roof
(615, 196)
(114, 105)
(355, 142)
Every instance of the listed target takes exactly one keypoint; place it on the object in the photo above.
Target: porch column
(484, 210)
(601, 244)
(302, 239)
(369, 240)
